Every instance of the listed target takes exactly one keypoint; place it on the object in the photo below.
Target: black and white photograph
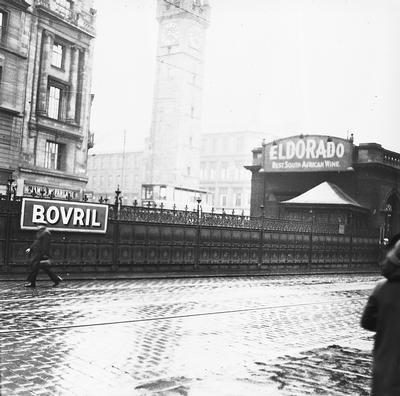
(199, 197)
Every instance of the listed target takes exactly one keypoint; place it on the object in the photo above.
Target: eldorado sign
(309, 153)
(64, 215)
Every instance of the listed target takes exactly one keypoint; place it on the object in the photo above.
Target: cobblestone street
(205, 336)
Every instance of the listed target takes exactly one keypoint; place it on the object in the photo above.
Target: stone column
(47, 49)
(73, 85)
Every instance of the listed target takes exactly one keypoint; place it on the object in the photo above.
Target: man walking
(39, 253)
(382, 315)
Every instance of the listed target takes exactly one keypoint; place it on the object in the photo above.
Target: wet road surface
(207, 336)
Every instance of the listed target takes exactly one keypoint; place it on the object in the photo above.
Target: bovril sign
(308, 153)
(64, 215)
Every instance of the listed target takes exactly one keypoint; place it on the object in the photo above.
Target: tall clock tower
(174, 144)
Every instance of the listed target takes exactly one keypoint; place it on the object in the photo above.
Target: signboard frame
(24, 224)
(308, 153)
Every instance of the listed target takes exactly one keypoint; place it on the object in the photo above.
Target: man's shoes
(29, 284)
(57, 281)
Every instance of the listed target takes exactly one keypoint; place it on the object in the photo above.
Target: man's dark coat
(40, 248)
(382, 315)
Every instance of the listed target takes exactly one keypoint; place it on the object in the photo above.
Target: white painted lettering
(87, 217)
(95, 223)
(290, 150)
(78, 216)
(310, 149)
(38, 214)
(52, 215)
(300, 149)
(281, 154)
(321, 152)
(273, 155)
(340, 150)
(65, 217)
(330, 150)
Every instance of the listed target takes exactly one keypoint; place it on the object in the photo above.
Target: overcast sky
(282, 67)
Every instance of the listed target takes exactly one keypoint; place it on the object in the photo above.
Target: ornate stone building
(174, 144)
(46, 55)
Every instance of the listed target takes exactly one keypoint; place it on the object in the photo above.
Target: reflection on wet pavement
(217, 336)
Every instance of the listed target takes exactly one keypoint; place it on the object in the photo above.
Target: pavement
(294, 335)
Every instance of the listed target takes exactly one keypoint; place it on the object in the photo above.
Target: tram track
(172, 317)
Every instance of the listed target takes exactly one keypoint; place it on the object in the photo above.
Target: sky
(281, 67)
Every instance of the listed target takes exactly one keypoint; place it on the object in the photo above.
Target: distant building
(107, 172)
(222, 173)
(46, 50)
(222, 159)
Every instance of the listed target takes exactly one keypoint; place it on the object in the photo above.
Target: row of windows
(212, 172)
(115, 162)
(234, 200)
(113, 181)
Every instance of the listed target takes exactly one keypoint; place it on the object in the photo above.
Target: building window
(57, 57)
(224, 171)
(53, 155)
(223, 200)
(54, 102)
(3, 24)
(238, 199)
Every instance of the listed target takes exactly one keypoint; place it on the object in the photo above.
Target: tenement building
(46, 50)
(327, 179)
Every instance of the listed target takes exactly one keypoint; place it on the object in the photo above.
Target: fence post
(310, 253)
(351, 239)
(260, 249)
(198, 230)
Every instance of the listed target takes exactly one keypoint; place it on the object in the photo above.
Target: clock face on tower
(170, 34)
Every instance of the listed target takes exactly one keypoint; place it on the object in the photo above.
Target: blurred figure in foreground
(382, 315)
(39, 253)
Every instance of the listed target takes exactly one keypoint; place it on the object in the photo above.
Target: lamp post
(9, 193)
(117, 201)
(388, 220)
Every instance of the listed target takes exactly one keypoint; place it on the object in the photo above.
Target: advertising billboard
(64, 215)
(309, 153)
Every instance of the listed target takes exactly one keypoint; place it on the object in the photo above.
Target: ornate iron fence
(143, 239)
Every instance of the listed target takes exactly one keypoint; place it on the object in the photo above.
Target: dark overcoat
(40, 248)
(382, 315)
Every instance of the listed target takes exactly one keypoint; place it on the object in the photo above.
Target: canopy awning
(324, 194)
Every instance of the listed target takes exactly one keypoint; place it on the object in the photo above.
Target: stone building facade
(223, 156)
(174, 145)
(108, 172)
(46, 56)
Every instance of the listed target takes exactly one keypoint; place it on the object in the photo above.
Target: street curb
(120, 277)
